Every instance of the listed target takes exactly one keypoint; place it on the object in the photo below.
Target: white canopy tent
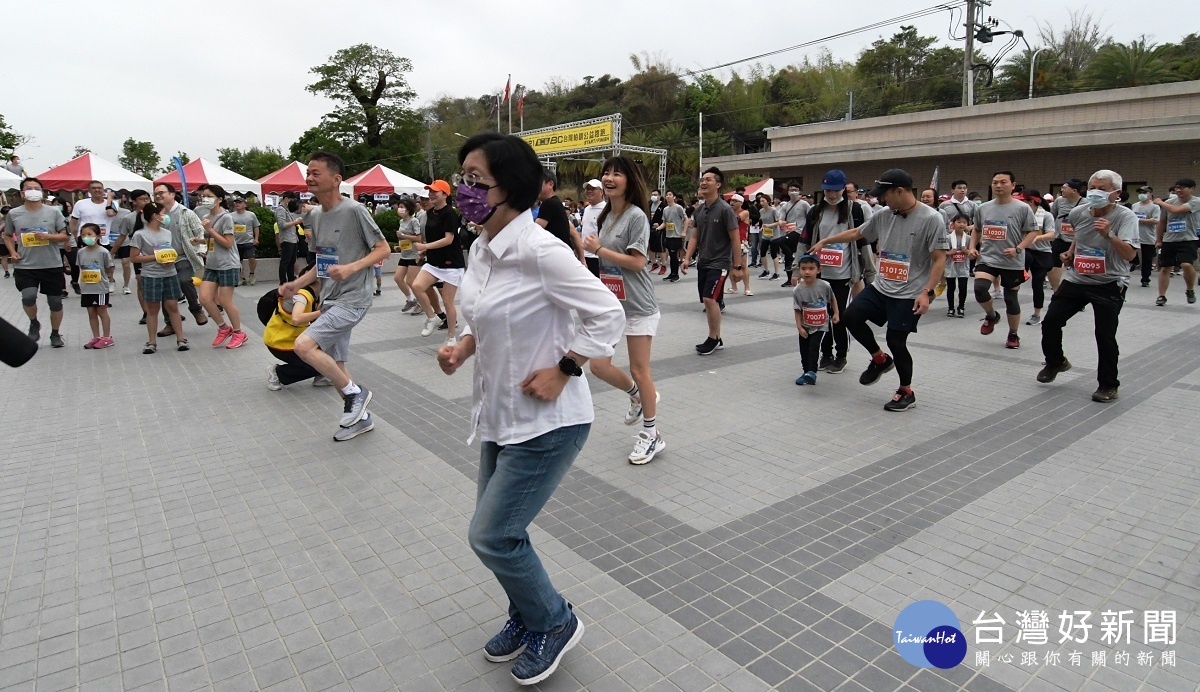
(9, 181)
(380, 180)
(205, 172)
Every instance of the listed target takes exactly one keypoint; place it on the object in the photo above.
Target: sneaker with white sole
(356, 406)
(645, 447)
(126, 290)
(321, 381)
(273, 382)
(431, 325)
(366, 424)
(544, 651)
(507, 644)
(1034, 321)
(634, 414)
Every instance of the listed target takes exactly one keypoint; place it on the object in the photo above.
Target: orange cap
(440, 185)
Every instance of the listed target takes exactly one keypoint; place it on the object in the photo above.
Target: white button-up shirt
(516, 297)
(589, 225)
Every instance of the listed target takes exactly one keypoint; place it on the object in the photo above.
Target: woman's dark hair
(409, 206)
(293, 205)
(95, 228)
(150, 210)
(636, 194)
(217, 190)
(1034, 194)
(843, 208)
(513, 164)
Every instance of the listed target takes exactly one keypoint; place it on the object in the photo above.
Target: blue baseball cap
(834, 180)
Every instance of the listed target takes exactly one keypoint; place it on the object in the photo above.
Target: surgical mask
(834, 202)
(472, 203)
(33, 195)
(1143, 197)
(166, 219)
(208, 202)
(794, 194)
(1098, 198)
(653, 198)
(89, 241)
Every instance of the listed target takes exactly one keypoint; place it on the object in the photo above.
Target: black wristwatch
(738, 268)
(569, 367)
(929, 292)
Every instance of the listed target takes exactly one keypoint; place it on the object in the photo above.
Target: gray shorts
(331, 331)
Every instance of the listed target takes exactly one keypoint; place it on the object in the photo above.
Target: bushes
(389, 223)
(266, 232)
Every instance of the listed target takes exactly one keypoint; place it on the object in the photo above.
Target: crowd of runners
(537, 288)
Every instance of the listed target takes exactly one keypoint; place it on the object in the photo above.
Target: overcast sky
(94, 73)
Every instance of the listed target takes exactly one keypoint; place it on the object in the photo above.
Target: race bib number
(833, 255)
(165, 255)
(815, 315)
(239, 230)
(210, 245)
(670, 227)
(1090, 261)
(1068, 230)
(788, 227)
(405, 245)
(894, 266)
(89, 276)
(768, 233)
(959, 256)
(1140, 214)
(995, 230)
(1176, 226)
(614, 279)
(326, 258)
(31, 240)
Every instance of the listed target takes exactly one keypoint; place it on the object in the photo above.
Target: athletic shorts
(405, 262)
(444, 274)
(1057, 248)
(1038, 259)
(156, 289)
(873, 306)
(3, 249)
(49, 282)
(656, 241)
(710, 283)
(246, 251)
(1177, 254)
(642, 325)
(123, 251)
(223, 277)
(1009, 278)
(95, 300)
(331, 331)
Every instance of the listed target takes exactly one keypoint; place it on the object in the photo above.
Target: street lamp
(1032, 65)
(459, 134)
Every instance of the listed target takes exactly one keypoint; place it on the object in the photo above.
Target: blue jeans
(754, 241)
(515, 481)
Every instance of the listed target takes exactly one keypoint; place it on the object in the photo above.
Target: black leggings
(1038, 277)
(287, 262)
(841, 338)
(897, 342)
(951, 282)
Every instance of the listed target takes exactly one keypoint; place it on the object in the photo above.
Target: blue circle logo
(927, 634)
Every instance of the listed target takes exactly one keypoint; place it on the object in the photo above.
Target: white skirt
(450, 276)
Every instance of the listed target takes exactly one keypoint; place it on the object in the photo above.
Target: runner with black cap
(912, 257)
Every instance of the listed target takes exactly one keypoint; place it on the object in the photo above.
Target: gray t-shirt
(1147, 232)
(905, 247)
(813, 303)
(1060, 207)
(837, 259)
(94, 259)
(286, 234)
(345, 234)
(633, 287)
(1096, 260)
(1044, 222)
(952, 208)
(675, 219)
(120, 224)
(15, 168)
(767, 216)
(148, 242)
(1181, 228)
(409, 226)
(713, 223)
(1003, 226)
(221, 258)
(957, 266)
(22, 223)
(244, 225)
(792, 214)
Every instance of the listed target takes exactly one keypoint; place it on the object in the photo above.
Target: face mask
(166, 219)
(89, 241)
(794, 194)
(1098, 198)
(208, 203)
(32, 195)
(472, 203)
(834, 202)
(653, 198)
(1143, 197)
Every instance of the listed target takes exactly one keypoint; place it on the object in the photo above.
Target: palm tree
(1118, 65)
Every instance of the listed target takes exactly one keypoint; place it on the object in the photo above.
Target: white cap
(593, 183)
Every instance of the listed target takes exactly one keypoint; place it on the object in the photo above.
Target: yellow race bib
(89, 276)
(166, 255)
(31, 240)
(405, 245)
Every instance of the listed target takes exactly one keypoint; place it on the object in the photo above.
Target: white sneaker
(431, 325)
(126, 290)
(452, 341)
(273, 382)
(634, 414)
(646, 447)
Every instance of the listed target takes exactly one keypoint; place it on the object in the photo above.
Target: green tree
(182, 156)
(80, 150)
(9, 139)
(369, 85)
(139, 157)
(906, 73)
(1075, 44)
(1127, 65)
(1184, 57)
(317, 138)
(255, 162)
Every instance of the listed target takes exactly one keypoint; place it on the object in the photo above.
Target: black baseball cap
(890, 179)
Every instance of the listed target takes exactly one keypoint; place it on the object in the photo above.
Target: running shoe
(989, 324)
(56, 340)
(774, 276)
(960, 312)
(1105, 395)
(223, 333)
(105, 342)
(35, 330)
(824, 362)
(1049, 372)
(92, 344)
(949, 312)
(321, 381)
(901, 401)
(366, 424)
(1161, 301)
(507, 644)
(1013, 341)
(646, 447)
(634, 414)
(809, 377)
(273, 382)
(409, 305)
(662, 269)
(875, 370)
(709, 346)
(237, 339)
(252, 281)
(544, 651)
(356, 406)
(126, 290)
(1191, 296)
(764, 274)
(1034, 321)
(838, 365)
(431, 324)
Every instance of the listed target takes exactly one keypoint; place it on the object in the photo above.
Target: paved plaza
(166, 522)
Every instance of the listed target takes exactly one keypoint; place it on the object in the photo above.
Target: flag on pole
(521, 103)
(507, 89)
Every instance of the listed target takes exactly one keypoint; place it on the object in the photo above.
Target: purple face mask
(472, 203)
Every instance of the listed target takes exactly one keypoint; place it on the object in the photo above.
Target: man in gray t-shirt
(245, 235)
(1105, 242)
(674, 220)
(912, 256)
(33, 234)
(1177, 228)
(1004, 228)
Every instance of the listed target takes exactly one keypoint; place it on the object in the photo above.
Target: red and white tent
(380, 180)
(76, 173)
(767, 187)
(204, 172)
(290, 178)
(9, 181)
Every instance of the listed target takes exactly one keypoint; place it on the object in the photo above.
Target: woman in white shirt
(531, 408)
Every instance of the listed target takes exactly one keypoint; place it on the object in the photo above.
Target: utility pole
(701, 143)
(968, 92)
(850, 112)
(429, 148)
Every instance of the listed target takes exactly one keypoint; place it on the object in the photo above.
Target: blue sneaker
(811, 377)
(802, 380)
(508, 644)
(544, 651)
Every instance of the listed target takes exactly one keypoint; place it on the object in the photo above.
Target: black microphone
(15, 347)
